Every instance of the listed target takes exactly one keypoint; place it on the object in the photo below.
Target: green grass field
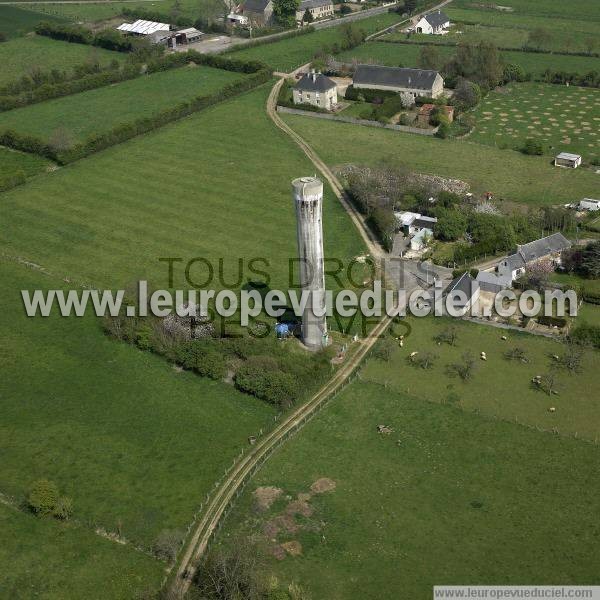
(38, 551)
(499, 388)
(16, 21)
(508, 175)
(30, 164)
(562, 118)
(194, 188)
(290, 53)
(449, 497)
(89, 10)
(407, 55)
(80, 115)
(130, 439)
(575, 9)
(19, 55)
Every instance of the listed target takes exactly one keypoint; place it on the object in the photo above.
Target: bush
(586, 335)
(12, 180)
(443, 130)
(260, 376)
(167, 544)
(533, 147)
(199, 356)
(63, 509)
(368, 95)
(43, 497)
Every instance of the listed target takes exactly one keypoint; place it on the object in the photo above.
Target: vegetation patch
(23, 56)
(560, 118)
(443, 474)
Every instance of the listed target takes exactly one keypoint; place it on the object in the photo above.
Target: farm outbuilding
(188, 36)
(465, 292)
(589, 204)
(418, 82)
(568, 160)
(142, 27)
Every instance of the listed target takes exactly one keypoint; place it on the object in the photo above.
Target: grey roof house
(316, 89)
(258, 12)
(466, 292)
(549, 247)
(419, 82)
(433, 23)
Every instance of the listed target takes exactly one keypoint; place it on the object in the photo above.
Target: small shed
(143, 27)
(567, 160)
(188, 36)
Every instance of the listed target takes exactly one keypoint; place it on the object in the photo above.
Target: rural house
(316, 89)
(416, 227)
(436, 23)
(568, 160)
(465, 291)
(418, 82)
(319, 9)
(547, 249)
(258, 12)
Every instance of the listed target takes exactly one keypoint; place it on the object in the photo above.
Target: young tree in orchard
(285, 12)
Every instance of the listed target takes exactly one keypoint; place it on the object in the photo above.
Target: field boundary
(355, 121)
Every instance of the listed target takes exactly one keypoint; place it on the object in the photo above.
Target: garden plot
(562, 118)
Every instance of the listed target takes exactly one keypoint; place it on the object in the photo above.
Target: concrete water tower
(308, 200)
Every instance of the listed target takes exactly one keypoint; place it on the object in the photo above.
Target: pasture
(287, 54)
(499, 388)
(508, 175)
(30, 164)
(42, 558)
(19, 56)
(135, 443)
(15, 21)
(407, 55)
(193, 188)
(448, 496)
(579, 9)
(562, 118)
(78, 116)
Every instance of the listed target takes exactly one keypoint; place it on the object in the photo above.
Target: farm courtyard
(562, 118)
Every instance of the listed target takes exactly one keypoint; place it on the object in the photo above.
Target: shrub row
(121, 133)
(502, 48)
(48, 91)
(368, 94)
(108, 39)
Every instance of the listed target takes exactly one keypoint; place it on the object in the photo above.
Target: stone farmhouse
(319, 9)
(436, 23)
(258, 12)
(316, 89)
(418, 82)
(547, 250)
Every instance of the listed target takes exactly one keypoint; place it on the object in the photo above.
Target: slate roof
(420, 79)
(437, 19)
(256, 6)
(532, 251)
(313, 4)
(492, 282)
(465, 283)
(314, 82)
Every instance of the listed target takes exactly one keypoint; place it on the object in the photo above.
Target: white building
(418, 228)
(142, 27)
(316, 89)
(588, 204)
(319, 9)
(436, 23)
(568, 160)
